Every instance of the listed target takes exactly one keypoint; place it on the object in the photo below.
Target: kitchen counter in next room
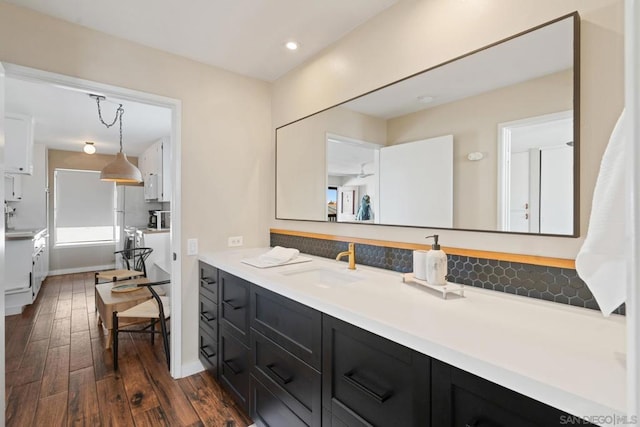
(567, 357)
(22, 234)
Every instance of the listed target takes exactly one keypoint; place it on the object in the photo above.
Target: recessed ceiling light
(292, 45)
(425, 99)
(89, 148)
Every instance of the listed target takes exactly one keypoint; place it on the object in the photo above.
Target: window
(83, 208)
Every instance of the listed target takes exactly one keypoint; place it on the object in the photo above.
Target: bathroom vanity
(315, 344)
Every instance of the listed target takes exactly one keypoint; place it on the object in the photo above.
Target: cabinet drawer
(294, 326)
(233, 367)
(461, 398)
(268, 411)
(294, 382)
(234, 305)
(208, 352)
(369, 380)
(209, 315)
(209, 280)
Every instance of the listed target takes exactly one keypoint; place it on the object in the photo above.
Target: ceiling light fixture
(425, 99)
(89, 148)
(120, 170)
(292, 45)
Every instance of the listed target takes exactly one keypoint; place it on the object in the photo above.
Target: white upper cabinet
(166, 171)
(155, 167)
(18, 143)
(12, 187)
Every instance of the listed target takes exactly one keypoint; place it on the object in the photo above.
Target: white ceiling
(243, 36)
(65, 119)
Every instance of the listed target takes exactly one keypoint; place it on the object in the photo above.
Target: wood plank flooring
(58, 372)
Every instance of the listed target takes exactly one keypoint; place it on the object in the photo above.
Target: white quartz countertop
(567, 357)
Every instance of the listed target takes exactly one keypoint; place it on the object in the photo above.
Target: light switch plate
(192, 246)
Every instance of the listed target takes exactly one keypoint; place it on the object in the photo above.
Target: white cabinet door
(152, 172)
(12, 187)
(18, 143)
(18, 261)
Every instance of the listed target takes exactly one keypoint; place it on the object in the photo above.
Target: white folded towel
(602, 260)
(279, 255)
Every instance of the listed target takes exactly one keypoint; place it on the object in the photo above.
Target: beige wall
(227, 153)
(415, 35)
(473, 122)
(302, 169)
(72, 258)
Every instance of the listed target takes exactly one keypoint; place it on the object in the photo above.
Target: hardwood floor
(59, 373)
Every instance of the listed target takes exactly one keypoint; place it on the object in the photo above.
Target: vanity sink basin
(324, 277)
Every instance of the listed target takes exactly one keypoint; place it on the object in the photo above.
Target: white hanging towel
(601, 262)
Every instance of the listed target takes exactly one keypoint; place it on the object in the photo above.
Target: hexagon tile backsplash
(561, 285)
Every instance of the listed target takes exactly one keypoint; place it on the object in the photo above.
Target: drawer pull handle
(283, 377)
(351, 378)
(230, 364)
(207, 281)
(232, 305)
(205, 315)
(203, 350)
(479, 422)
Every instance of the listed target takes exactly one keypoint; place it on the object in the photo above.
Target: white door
(348, 203)
(519, 193)
(556, 181)
(416, 183)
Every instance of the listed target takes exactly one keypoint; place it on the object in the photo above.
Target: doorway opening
(535, 174)
(86, 87)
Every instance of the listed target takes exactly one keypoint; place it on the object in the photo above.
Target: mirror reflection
(484, 142)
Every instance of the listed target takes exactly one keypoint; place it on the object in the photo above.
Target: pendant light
(120, 170)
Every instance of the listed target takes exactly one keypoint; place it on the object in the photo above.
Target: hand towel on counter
(602, 259)
(275, 257)
(279, 255)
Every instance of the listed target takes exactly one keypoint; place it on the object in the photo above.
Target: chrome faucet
(352, 256)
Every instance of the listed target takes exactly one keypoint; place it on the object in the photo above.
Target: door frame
(175, 105)
(505, 132)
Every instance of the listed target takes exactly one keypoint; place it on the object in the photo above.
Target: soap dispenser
(436, 264)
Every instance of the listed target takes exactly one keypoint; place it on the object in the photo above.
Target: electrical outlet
(235, 241)
(192, 246)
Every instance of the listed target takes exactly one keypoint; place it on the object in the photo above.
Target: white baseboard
(81, 269)
(10, 311)
(191, 369)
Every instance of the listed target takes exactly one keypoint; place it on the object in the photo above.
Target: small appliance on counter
(153, 219)
(159, 220)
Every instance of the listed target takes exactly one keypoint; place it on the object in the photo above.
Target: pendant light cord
(119, 113)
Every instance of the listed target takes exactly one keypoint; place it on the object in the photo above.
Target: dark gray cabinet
(234, 305)
(233, 323)
(294, 326)
(463, 399)
(234, 366)
(208, 313)
(286, 342)
(369, 380)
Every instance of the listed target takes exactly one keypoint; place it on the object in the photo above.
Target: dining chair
(157, 309)
(134, 263)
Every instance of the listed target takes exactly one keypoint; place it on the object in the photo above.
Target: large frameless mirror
(488, 141)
